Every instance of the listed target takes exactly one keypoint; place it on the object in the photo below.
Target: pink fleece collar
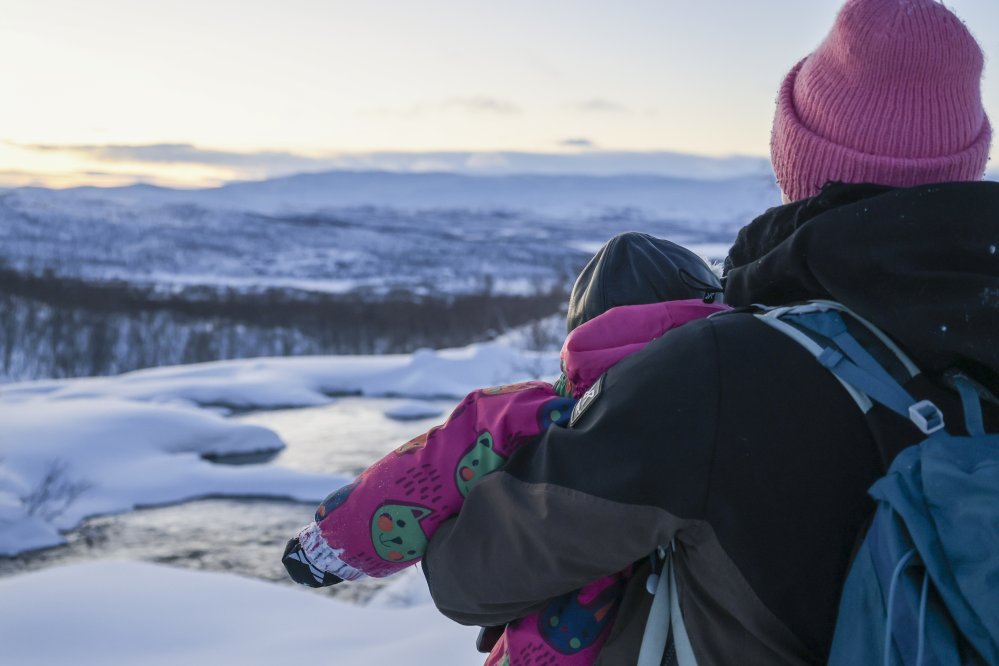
(598, 344)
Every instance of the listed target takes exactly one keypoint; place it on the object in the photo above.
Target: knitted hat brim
(805, 161)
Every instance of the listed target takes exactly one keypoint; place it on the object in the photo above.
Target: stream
(246, 536)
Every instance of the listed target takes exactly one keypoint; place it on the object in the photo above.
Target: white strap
(657, 626)
(681, 641)
(664, 615)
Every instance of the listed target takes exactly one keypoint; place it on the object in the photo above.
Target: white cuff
(322, 556)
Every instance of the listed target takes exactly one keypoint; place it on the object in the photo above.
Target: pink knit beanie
(892, 96)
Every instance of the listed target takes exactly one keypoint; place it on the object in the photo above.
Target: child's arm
(381, 522)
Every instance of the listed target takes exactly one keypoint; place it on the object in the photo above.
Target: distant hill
(98, 280)
(688, 198)
(343, 231)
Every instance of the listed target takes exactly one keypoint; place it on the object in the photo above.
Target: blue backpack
(923, 589)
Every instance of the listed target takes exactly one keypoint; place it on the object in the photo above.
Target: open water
(246, 536)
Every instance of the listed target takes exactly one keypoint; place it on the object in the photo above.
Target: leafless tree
(55, 492)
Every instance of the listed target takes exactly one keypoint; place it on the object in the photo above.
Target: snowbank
(133, 614)
(272, 383)
(64, 460)
(70, 449)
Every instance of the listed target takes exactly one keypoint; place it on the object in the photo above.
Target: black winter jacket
(729, 438)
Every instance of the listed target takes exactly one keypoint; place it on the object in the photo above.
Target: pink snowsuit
(382, 522)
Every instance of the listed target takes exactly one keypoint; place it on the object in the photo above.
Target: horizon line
(188, 166)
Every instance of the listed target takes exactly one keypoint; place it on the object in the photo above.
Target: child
(626, 296)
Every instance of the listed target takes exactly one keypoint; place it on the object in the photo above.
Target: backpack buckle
(927, 417)
(657, 562)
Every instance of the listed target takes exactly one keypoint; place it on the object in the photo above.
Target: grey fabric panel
(542, 541)
(727, 623)
(568, 539)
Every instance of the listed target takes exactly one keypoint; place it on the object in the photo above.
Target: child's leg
(499, 655)
(571, 630)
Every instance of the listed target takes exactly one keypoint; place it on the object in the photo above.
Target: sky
(196, 92)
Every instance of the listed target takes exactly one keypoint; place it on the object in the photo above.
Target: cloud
(599, 105)
(158, 160)
(577, 142)
(480, 104)
(10, 178)
(183, 153)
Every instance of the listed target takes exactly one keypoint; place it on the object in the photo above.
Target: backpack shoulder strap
(829, 331)
(971, 400)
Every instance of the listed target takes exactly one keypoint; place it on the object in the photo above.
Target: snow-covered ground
(102, 281)
(271, 383)
(76, 448)
(71, 449)
(336, 232)
(116, 613)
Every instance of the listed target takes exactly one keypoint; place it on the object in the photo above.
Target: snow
(334, 233)
(409, 411)
(695, 194)
(304, 381)
(112, 444)
(708, 251)
(110, 455)
(71, 449)
(114, 613)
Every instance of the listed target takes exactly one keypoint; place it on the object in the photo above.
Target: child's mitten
(301, 569)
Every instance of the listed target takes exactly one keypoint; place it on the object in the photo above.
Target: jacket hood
(921, 263)
(633, 268)
(601, 342)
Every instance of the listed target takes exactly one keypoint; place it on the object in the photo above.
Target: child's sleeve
(381, 522)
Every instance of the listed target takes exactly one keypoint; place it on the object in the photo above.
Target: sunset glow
(288, 85)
